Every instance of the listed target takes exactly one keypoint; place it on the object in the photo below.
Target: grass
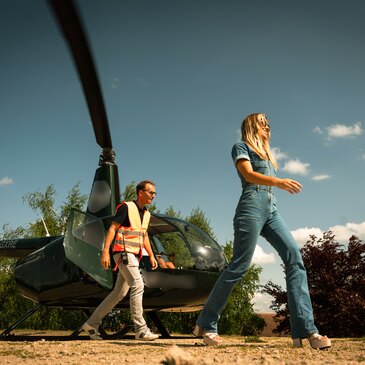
(253, 339)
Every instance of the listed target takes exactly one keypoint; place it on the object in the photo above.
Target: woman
(256, 214)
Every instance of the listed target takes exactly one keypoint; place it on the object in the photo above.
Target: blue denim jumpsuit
(256, 214)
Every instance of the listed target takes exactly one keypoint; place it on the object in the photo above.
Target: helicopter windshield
(184, 245)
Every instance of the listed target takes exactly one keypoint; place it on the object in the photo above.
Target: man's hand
(105, 260)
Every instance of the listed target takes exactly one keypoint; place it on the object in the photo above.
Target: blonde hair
(249, 134)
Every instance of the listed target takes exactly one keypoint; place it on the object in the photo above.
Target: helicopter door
(83, 242)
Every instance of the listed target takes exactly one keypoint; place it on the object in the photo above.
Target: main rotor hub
(107, 156)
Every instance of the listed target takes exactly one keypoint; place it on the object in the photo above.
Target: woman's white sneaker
(316, 341)
(319, 342)
(212, 339)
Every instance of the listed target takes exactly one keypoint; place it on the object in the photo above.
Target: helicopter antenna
(45, 226)
(74, 33)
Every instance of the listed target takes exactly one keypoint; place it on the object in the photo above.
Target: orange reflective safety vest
(131, 238)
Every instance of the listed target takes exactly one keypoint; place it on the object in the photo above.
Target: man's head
(146, 191)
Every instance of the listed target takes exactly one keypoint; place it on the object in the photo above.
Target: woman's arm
(253, 177)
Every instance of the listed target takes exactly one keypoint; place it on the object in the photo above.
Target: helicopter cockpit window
(165, 260)
(207, 253)
(185, 245)
(174, 250)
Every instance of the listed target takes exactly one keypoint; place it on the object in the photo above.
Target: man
(129, 228)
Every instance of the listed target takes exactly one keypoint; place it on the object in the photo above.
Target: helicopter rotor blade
(72, 29)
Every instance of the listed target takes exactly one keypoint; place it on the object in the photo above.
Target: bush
(336, 284)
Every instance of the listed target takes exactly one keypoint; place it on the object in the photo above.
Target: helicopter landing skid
(158, 323)
(122, 333)
(27, 314)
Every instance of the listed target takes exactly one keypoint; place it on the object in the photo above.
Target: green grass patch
(254, 339)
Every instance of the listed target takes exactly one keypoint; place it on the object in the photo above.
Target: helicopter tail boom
(18, 248)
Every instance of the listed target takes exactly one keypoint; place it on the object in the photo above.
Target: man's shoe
(146, 335)
(91, 331)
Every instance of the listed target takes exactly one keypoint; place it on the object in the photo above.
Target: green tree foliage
(129, 192)
(74, 200)
(44, 205)
(336, 284)
(198, 218)
(171, 212)
(238, 316)
(13, 305)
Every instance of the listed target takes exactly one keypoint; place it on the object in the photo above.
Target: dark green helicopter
(65, 272)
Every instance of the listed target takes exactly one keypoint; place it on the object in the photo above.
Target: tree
(129, 192)
(336, 285)
(9, 298)
(198, 218)
(238, 316)
(44, 204)
(13, 305)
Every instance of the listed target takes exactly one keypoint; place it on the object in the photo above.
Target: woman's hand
(105, 260)
(291, 186)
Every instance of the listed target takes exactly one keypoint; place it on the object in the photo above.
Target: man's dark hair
(142, 185)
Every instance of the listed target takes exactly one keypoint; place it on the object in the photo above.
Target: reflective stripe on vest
(132, 237)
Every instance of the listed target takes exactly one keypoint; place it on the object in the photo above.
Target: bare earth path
(181, 351)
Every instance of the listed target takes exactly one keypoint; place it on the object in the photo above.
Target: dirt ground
(41, 349)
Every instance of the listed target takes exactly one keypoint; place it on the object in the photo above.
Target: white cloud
(321, 177)
(261, 303)
(344, 131)
(317, 130)
(342, 232)
(301, 235)
(6, 181)
(296, 167)
(260, 257)
(362, 157)
(279, 155)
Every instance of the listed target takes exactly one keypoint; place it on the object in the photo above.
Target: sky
(177, 78)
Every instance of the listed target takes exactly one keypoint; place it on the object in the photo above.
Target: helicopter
(65, 272)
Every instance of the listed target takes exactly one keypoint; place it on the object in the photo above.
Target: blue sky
(177, 78)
